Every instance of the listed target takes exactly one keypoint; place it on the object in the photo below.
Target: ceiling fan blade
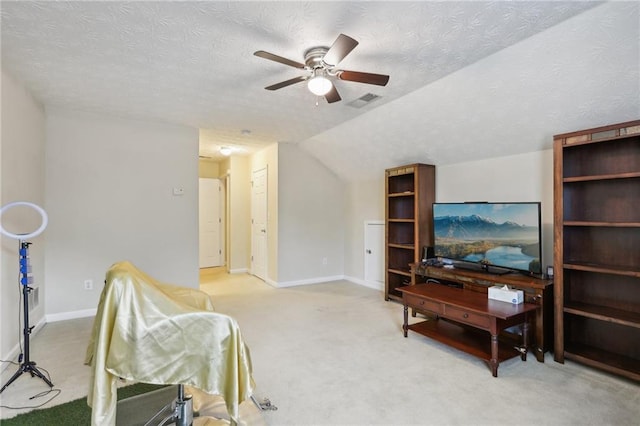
(339, 49)
(287, 83)
(333, 95)
(280, 59)
(364, 77)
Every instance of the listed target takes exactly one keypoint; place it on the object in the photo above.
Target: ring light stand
(27, 366)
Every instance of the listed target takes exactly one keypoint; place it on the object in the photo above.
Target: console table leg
(405, 326)
(493, 363)
(538, 334)
(525, 339)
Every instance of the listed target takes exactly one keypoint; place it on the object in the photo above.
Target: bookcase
(597, 248)
(409, 196)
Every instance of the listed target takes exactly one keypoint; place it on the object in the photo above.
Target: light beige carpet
(334, 354)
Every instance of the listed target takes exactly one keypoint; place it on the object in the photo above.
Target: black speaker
(427, 253)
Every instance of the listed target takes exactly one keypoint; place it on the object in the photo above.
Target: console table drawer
(471, 318)
(420, 303)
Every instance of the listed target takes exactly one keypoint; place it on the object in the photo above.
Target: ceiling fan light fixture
(319, 85)
(321, 63)
(226, 151)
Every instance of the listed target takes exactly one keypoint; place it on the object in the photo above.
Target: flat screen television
(494, 237)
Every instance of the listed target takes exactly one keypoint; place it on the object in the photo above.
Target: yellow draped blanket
(150, 332)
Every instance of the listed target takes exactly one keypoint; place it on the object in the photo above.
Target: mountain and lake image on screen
(505, 235)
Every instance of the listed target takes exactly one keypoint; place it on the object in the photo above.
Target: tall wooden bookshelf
(409, 197)
(597, 248)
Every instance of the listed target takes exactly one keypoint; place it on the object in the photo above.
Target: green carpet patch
(72, 413)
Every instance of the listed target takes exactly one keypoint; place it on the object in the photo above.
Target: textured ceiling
(192, 63)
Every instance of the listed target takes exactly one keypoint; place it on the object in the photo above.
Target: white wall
(208, 168)
(525, 177)
(22, 179)
(109, 194)
(311, 219)
(365, 202)
(239, 219)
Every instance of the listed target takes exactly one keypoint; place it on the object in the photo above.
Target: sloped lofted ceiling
(468, 80)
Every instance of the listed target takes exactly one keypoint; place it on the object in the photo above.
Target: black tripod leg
(36, 372)
(13, 378)
(32, 369)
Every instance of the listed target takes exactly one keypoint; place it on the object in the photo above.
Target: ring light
(43, 216)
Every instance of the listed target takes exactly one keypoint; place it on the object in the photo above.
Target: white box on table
(506, 294)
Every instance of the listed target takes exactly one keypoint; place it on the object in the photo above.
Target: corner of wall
(22, 146)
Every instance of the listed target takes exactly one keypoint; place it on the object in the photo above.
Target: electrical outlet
(88, 284)
(324, 261)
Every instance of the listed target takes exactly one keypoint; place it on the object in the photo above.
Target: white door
(374, 253)
(209, 223)
(259, 223)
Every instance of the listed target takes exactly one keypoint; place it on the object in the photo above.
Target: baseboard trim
(272, 283)
(63, 316)
(370, 284)
(373, 285)
(239, 271)
(317, 280)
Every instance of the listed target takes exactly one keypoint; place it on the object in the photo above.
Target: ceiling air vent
(363, 100)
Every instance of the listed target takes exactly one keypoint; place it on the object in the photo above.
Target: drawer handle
(465, 316)
(422, 302)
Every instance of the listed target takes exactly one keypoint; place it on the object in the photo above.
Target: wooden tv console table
(536, 290)
(472, 309)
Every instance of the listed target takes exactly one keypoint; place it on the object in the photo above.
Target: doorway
(259, 223)
(211, 224)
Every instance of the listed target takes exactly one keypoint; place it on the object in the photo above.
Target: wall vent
(363, 100)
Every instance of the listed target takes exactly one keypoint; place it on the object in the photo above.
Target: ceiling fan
(320, 63)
